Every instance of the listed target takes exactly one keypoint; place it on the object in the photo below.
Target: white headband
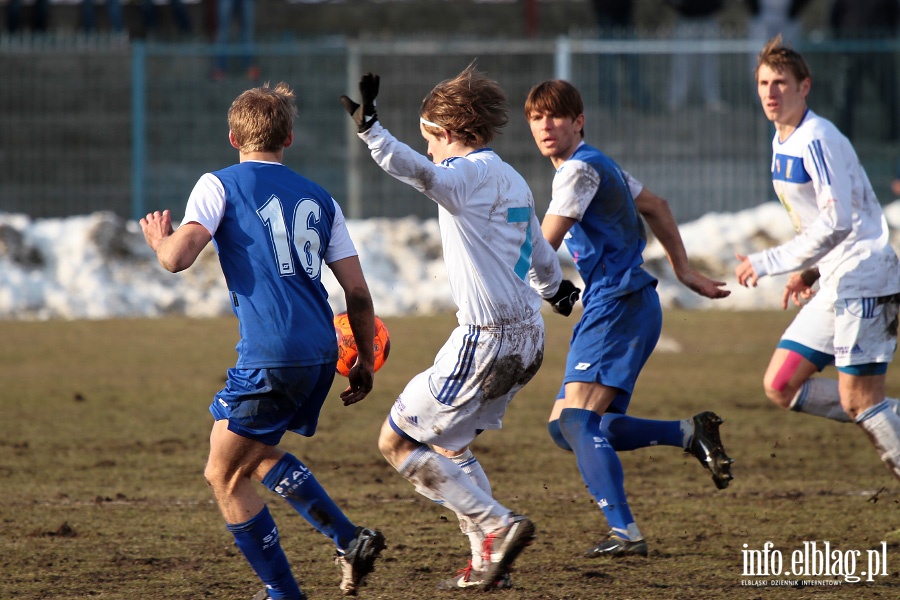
(425, 121)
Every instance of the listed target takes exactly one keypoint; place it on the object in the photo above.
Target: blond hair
(470, 105)
(261, 119)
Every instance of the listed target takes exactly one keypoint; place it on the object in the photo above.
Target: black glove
(565, 298)
(364, 115)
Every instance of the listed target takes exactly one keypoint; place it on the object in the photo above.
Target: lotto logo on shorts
(582, 366)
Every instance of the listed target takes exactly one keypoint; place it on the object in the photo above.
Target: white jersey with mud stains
(490, 234)
(840, 226)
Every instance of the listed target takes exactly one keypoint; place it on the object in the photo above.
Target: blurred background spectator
(40, 14)
(695, 20)
(179, 15)
(768, 18)
(615, 21)
(113, 9)
(866, 20)
(246, 16)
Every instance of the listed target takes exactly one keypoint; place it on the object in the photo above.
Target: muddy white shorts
(474, 377)
(855, 331)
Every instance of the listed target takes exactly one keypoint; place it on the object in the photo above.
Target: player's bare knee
(779, 397)
(779, 391)
(222, 479)
(852, 408)
(390, 445)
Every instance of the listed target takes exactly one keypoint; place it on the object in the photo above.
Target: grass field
(103, 439)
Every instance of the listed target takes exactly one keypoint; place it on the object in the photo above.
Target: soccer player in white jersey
(597, 209)
(841, 242)
(274, 229)
(492, 243)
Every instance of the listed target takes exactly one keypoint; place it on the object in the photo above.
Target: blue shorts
(262, 404)
(612, 341)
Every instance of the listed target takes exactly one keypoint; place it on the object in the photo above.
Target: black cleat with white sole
(706, 446)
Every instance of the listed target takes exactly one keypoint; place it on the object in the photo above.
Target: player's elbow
(172, 263)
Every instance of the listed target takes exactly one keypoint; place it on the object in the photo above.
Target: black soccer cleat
(706, 446)
(359, 560)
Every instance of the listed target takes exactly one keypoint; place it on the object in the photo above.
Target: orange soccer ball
(347, 345)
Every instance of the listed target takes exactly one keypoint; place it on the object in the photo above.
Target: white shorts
(855, 331)
(474, 377)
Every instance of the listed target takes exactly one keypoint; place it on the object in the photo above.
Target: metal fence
(107, 124)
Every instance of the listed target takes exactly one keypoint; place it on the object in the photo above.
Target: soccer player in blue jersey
(596, 208)
(274, 229)
(843, 244)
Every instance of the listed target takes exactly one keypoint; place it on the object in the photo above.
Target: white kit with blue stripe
(840, 226)
(489, 232)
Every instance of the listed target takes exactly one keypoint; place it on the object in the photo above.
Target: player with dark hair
(491, 245)
(596, 208)
(273, 230)
(842, 243)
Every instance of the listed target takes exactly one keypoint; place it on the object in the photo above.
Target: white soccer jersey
(840, 226)
(490, 235)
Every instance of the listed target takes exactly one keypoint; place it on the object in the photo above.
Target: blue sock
(291, 480)
(557, 436)
(626, 433)
(259, 542)
(600, 467)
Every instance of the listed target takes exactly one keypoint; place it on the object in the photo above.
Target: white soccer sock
(819, 396)
(894, 403)
(687, 432)
(632, 534)
(439, 479)
(471, 467)
(883, 426)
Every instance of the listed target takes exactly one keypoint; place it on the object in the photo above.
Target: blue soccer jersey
(608, 238)
(277, 295)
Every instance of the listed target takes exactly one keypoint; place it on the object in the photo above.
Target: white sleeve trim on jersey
(833, 224)
(447, 184)
(341, 244)
(206, 204)
(634, 186)
(574, 187)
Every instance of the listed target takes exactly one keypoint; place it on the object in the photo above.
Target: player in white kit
(492, 245)
(842, 242)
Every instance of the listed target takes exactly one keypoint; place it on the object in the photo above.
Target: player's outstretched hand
(157, 226)
(746, 274)
(797, 290)
(364, 115)
(361, 382)
(565, 298)
(703, 285)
